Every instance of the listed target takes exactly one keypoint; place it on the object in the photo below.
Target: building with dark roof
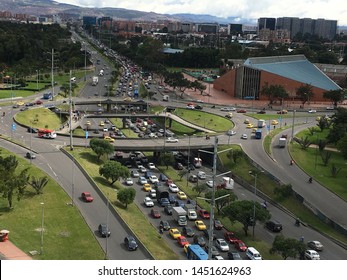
(247, 80)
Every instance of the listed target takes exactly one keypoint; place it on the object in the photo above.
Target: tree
(326, 156)
(304, 142)
(322, 123)
(113, 170)
(126, 196)
(235, 155)
(283, 191)
(342, 146)
(167, 159)
(287, 247)
(305, 92)
(243, 210)
(12, 183)
(222, 202)
(335, 96)
(199, 188)
(182, 173)
(101, 147)
(335, 170)
(38, 183)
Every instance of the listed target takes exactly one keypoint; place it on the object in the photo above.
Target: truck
(95, 81)
(165, 98)
(191, 212)
(162, 196)
(179, 215)
(261, 123)
(227, 183)
(282, 142)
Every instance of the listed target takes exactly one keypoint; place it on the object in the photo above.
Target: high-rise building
(267, 23)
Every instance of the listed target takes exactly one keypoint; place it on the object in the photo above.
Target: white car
(231, 132)
(312, 111)
(222, 245)
(151, 165)
(244, 136)
(129, 182)
(228, 109)
(148, 202)
(173, 188)
(153, 193)
(153, 179)
(209, 184)
(218, 258)
(202, 175)
(171, 140)
(142, 169)
(135, 174)
(142, 180)
(311, 255)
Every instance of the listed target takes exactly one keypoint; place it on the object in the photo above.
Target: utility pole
(70, 109)
(52, 73)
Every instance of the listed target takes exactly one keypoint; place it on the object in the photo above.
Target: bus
(195, 252)
(258, 134)
(47, 133)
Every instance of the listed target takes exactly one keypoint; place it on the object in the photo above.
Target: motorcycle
(310, 180)
(291, 162)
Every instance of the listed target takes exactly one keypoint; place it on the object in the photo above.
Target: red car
(240, 245)
(168, 182)
(182, 240)
(204, 214)
(38, 102)
(241, 111)
(87, 197)
(230, 237)
(155, 213)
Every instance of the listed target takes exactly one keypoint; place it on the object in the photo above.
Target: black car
(188, 231)
(200, 240)
(32, 130)
(30, 155)
(168, 209)
(179, 166)
(198, 107)
(104, 230)
(172, 199)
(206, 234)
(233, 255)
(165, 225)
(130, 243)
(273, 225)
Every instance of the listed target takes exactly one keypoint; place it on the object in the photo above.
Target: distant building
(326, 29)
(234, 29)
(209, 28)
(247, 80)
(266, 23)
(88, 20)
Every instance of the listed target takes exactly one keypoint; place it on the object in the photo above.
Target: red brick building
(246, 81)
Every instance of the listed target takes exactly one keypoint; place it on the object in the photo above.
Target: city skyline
(244, 9)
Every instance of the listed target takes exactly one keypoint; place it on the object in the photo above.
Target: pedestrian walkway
(9, 251)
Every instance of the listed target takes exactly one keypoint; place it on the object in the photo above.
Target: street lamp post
(37, 79)
(42, 226)
(255, 175)
(85, 62)
(293, 125)
(212, 200)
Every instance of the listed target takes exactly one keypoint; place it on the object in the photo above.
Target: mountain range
(50, 7)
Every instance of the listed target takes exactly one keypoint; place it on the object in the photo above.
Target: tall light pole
(293, 125)
(37, 79)
(212, 200)
(42, 226)
(255, 175)
(70, 108)
(52, 74)
(85, 62)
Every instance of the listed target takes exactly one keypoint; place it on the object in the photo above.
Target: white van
(73, 79)
(253, 254)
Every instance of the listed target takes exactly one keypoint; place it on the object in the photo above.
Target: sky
(248, 9)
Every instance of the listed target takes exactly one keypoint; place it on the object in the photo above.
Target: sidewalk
(9, 251)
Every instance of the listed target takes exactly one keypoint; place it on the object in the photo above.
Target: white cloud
(328, 9)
